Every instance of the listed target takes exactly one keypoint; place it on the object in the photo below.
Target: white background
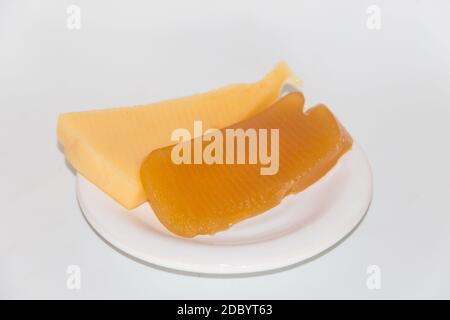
(389, 87)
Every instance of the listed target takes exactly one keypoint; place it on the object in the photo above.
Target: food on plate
(108, 146)
(206, 196)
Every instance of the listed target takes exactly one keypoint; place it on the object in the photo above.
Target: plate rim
(223, 269)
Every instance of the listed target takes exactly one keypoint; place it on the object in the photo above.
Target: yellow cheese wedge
(108, 146)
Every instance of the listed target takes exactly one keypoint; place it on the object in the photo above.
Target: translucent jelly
(198, 199)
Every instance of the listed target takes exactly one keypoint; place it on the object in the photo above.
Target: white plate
(302, 226)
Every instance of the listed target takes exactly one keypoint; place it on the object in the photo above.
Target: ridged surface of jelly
(198, 199)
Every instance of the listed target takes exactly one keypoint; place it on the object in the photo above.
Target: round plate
(302, 226)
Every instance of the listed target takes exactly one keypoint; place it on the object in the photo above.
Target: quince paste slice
(198, 199)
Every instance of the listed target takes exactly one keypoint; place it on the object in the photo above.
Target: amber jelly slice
(202, 199)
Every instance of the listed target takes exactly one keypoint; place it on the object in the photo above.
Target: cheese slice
(108, 146)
